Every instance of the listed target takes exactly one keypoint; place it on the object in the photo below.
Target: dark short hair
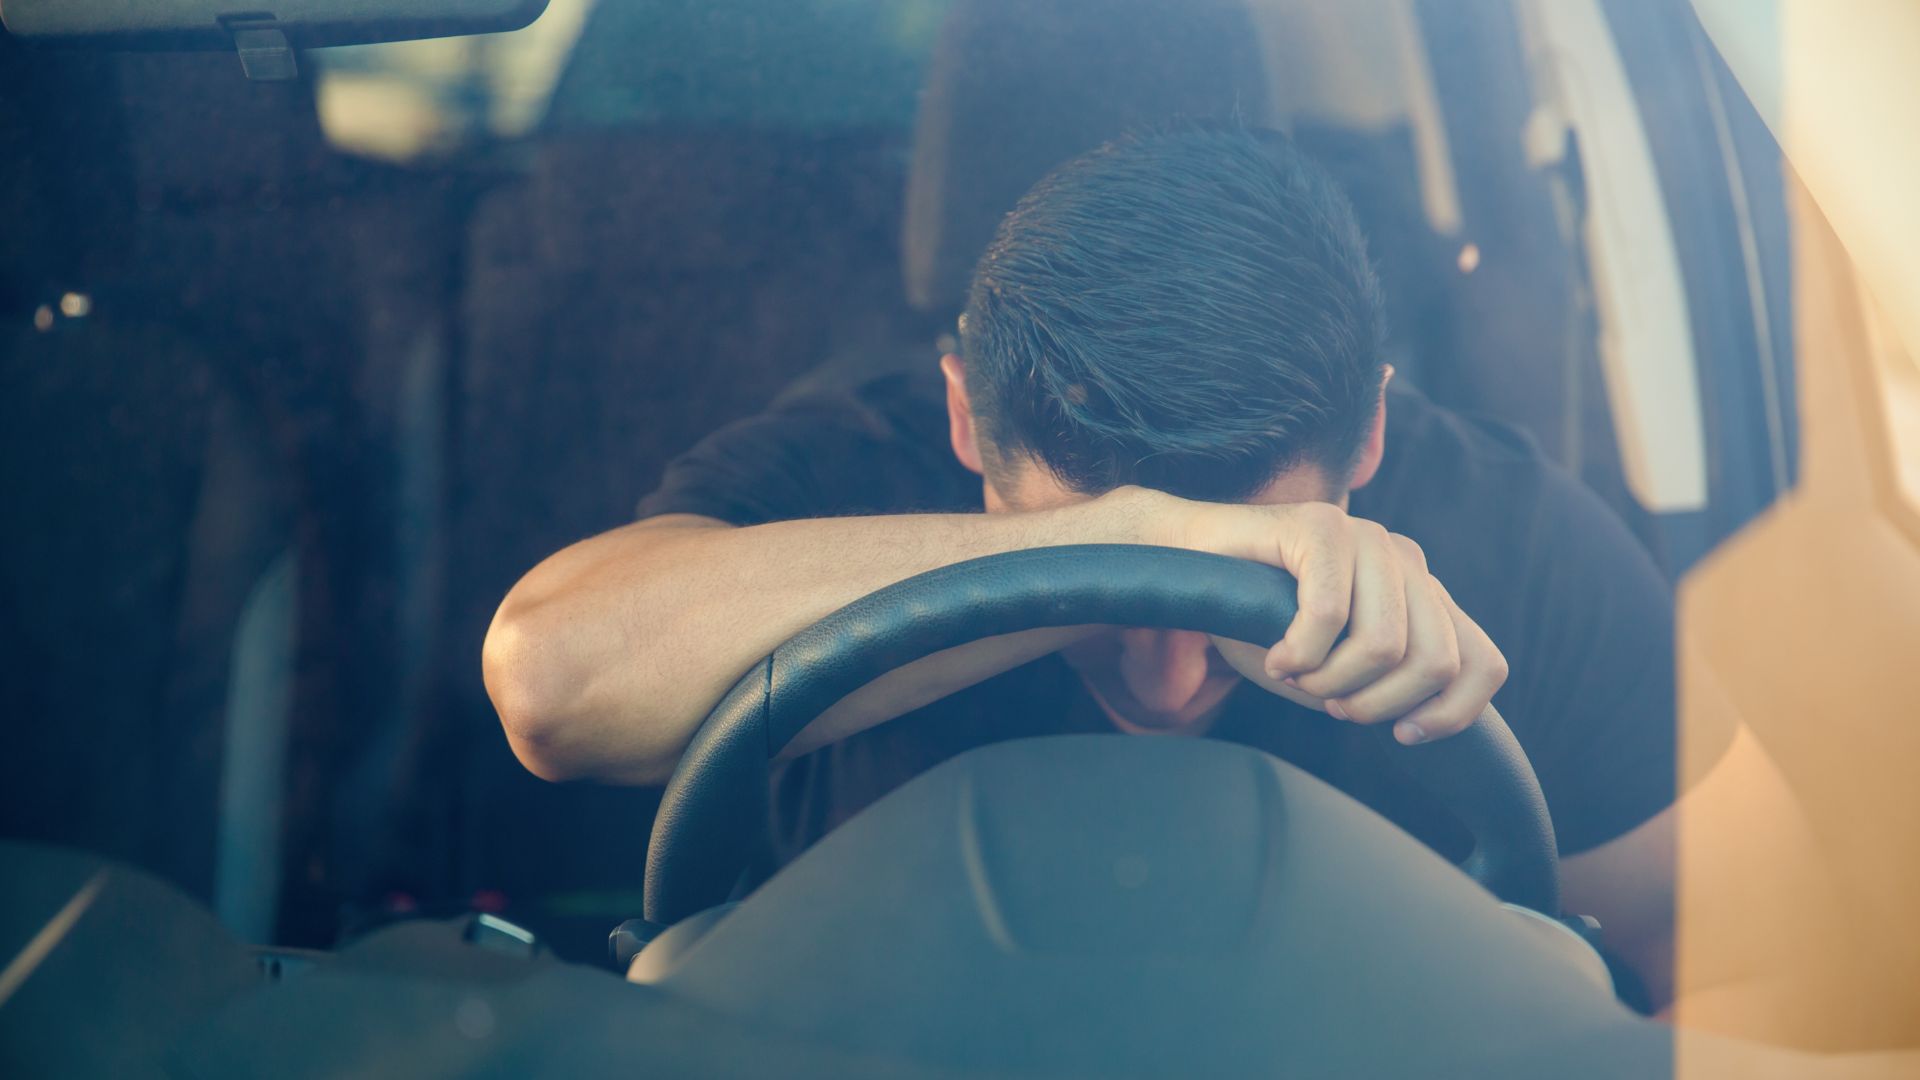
(1190, 310)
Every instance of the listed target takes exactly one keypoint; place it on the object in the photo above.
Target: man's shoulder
(1432, 427)
(1501, 524)
(823, 449)
(1443, 468)
(888, 403)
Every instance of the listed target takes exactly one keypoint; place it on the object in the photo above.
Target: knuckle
(1409, 549)
(1484, 657)
(1324, 613)
(1497, 669)
(1440, 670)
(1380, 651)
(1445, 662)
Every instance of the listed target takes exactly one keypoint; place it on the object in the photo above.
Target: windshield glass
(308, 379)
(818, 66)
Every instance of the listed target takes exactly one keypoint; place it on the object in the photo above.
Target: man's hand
(1410, 654)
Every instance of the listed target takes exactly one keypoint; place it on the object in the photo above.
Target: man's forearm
(604, 659)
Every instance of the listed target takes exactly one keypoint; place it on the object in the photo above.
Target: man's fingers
(1431, 664)
(1410, 654)
(1250, 662)
(1318, 551)
(1483, 670)
(1376, 640)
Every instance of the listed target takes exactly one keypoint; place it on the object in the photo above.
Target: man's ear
(1374, 447)
(966, 441)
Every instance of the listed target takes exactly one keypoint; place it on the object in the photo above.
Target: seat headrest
(1018, 86)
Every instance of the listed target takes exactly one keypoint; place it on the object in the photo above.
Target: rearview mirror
(221, 24)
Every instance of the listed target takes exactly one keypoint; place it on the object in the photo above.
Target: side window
(1725, 425)
(1670, 188)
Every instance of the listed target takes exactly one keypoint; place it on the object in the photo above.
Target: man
(1173, 340)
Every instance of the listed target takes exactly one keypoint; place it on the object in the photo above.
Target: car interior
(285, 419)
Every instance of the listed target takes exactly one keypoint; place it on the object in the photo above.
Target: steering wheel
(716, 805)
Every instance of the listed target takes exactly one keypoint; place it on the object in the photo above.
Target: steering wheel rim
(715, 806)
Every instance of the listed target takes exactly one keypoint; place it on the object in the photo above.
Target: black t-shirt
(1584, 618)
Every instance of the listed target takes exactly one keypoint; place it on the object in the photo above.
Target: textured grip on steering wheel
(715, 807)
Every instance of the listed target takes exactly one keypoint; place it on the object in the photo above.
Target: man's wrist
(1131, 515)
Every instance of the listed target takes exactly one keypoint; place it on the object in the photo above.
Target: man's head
(1192, 311)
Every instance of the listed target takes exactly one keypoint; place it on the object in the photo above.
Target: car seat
(1427, 147)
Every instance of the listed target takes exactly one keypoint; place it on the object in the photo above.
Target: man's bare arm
(606, 656)
(603, 660)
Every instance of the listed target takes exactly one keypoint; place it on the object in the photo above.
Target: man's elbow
(519, 668)
(536, 685)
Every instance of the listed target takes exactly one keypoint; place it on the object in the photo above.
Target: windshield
(304, 375)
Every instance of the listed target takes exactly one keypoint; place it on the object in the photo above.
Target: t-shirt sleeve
(878, 450)
(1594, 685)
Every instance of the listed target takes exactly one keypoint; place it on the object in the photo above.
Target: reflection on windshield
(407, 99)
(756, 64)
